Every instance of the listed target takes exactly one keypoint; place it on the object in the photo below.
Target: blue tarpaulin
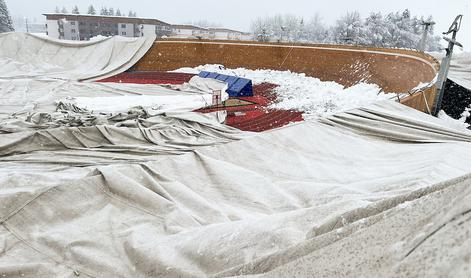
(238, 86)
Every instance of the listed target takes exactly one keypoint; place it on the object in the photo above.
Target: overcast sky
(238, 14)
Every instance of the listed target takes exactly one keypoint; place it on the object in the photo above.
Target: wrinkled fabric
(37, 73)
(460, 68)
(247, 206)
(25, 55)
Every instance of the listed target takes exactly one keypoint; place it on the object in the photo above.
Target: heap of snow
(296, 91)
(456, 123)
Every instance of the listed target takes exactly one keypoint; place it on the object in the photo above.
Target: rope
(426, 103)
(286, 57)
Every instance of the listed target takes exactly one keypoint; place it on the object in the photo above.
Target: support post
(423, 42)
(445, 64)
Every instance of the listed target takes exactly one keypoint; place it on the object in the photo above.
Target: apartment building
(191, 31)
(83, 27)
(228, 34)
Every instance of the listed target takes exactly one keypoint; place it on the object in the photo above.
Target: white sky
(239, 14)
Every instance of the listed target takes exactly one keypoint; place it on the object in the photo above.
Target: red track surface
(150, 77)
(252, 116)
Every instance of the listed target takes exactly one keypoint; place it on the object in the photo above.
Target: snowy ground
(299, 92)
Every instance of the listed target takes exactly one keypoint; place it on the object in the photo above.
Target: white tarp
(104, 202)
(25, 55)
(142, 193)
(37, 72)
(460, 68)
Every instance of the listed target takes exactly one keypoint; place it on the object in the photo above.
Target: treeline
(91, 10)
(6, 24)
(397, 29)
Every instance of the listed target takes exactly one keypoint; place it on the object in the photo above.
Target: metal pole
(27, 28)
(445, 64)
(423, 41)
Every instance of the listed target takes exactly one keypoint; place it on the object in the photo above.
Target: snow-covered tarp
(92, 190)
(460, 68)
(107, 201)
(37, 73)
(25, 55)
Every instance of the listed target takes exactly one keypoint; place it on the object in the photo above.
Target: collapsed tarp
(38, 72)
(236, 208)
(460, 68)
(25, 55)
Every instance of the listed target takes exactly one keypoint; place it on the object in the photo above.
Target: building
(83, 27)
(228, 34)
(191, 31)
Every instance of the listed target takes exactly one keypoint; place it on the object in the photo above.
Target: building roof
(105, 18)
(217, 29)
(188, 26)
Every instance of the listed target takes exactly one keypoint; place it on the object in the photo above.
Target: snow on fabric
(26, 55)
(244, 207)
(38, 71)
(189, 96)
(297, 91)
(461, 122)
(460, 68)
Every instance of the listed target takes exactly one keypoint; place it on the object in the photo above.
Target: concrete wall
(147, 30)
(70, 30)
(52, 28)
(126, 29)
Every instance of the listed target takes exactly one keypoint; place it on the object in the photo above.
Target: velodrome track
(394, 70)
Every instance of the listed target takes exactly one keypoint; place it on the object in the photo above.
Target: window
(73, 31)
(123, 25)
(123, 33)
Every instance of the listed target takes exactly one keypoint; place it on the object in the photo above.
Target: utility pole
(423, 42)
(27, 28)
(445, 64)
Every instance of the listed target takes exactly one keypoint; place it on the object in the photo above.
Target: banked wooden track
(394, 70)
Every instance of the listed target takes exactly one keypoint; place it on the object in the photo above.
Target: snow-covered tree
(398, 29)
(57, 10)
(132, 14)
(279, 28)
(75, 10)
(110, 11)
(375, 30)
(316, 31)
(104, 11)
(91, 10)
(118, 12)
(349, 29)
(64, 10)
(6, 24)
(259, 30)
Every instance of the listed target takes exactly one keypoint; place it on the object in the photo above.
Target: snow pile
(297, 91)
(456, 123)
(159, 103)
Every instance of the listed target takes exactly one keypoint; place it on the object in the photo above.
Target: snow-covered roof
(221, 29)
(107, 18)
(189, 27)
